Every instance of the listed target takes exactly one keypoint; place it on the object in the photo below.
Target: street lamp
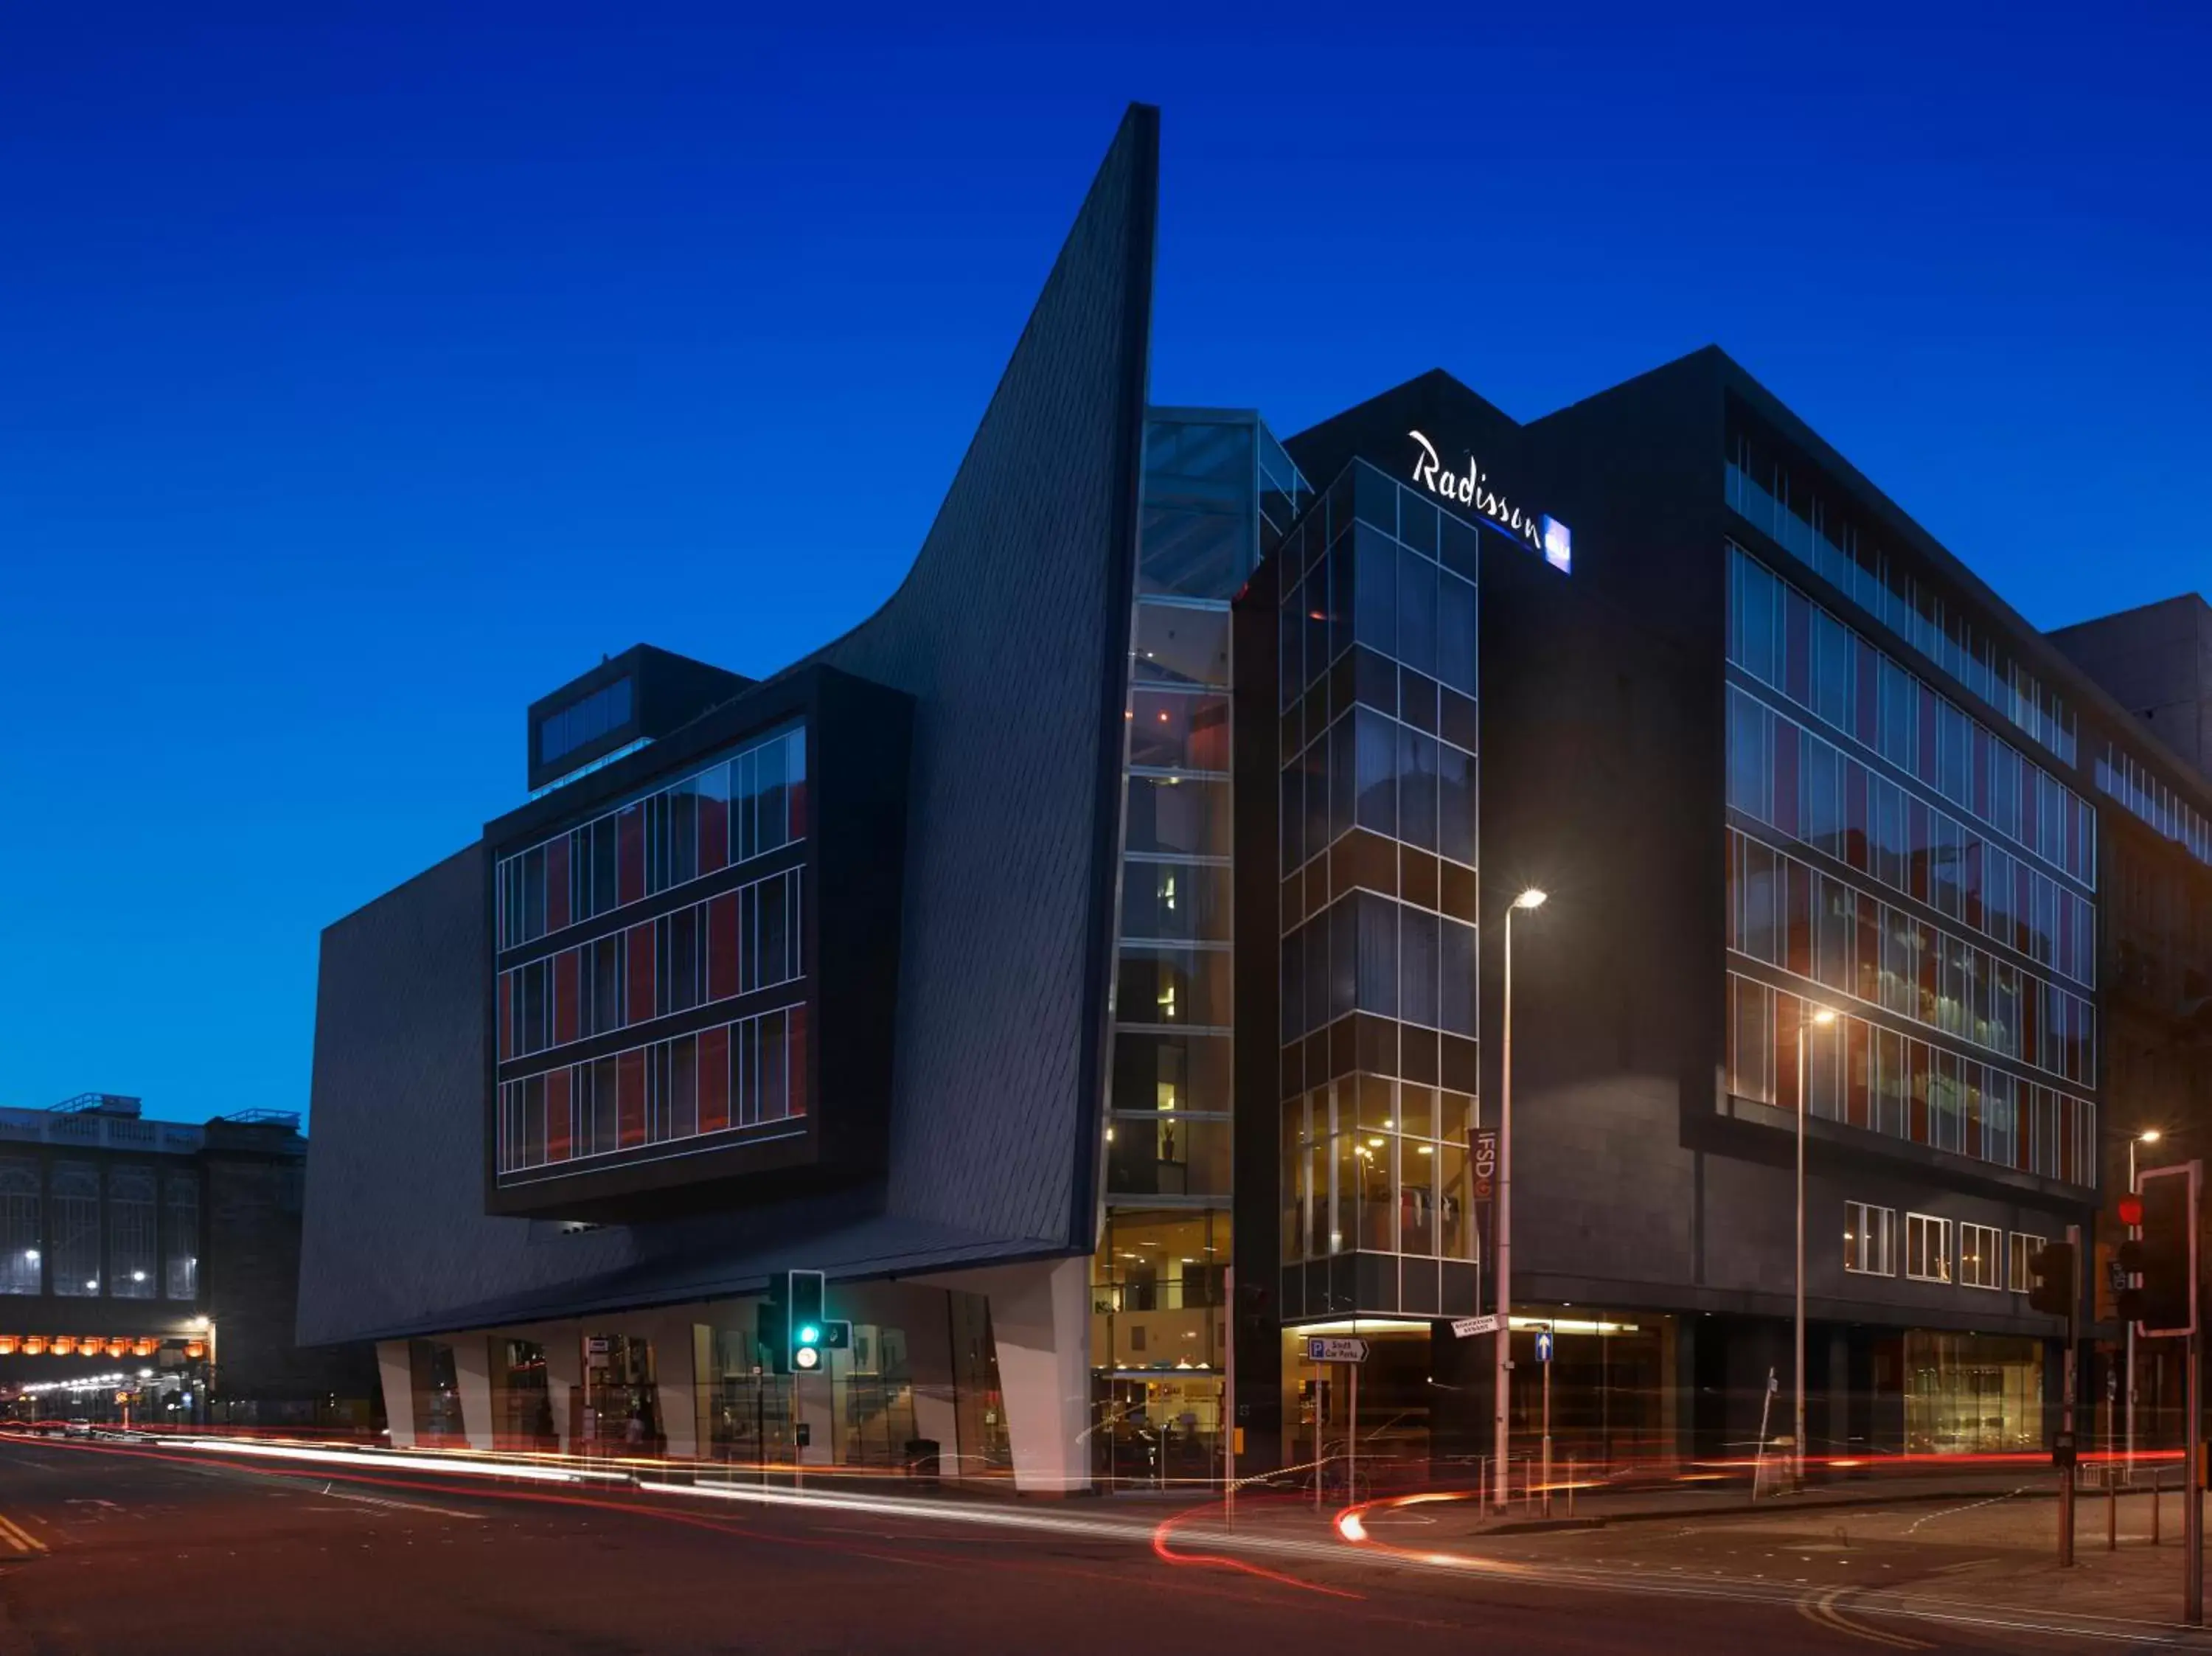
(1530, 899)
(2147, 1136)
(1807, 1016)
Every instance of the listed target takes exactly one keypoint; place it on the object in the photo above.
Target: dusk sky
(367, 373)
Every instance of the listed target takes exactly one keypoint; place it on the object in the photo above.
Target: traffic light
(2128, 1262)
(2052, 1267)
(795, 1330)
(2164, 1261)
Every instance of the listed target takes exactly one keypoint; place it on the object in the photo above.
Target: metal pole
(2133, 1189)
(2192, 1498)
(1504, 1359)
(1548, 1439)
(1797, 1412)
(1320, 1465)
(1351, 1442)
(1229, 1404)
(2066, 1415)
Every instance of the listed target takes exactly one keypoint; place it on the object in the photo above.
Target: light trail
(383, 1462)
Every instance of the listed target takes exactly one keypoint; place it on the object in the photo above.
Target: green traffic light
(809, 1335)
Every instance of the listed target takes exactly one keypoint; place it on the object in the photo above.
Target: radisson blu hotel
(1096, 960)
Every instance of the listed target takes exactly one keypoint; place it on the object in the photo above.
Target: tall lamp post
(1807, 1016)
(2147, 1136)
(1530, 899)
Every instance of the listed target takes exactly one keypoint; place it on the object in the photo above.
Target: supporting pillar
(472, 1379)
(677, 1374)
(564, 1374)
(927, 1320)
(1041, 1326)
(395, 1369)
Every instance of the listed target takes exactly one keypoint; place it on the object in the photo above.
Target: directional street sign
(1468, 1327)
(1324, 1350)
(1543, 1345)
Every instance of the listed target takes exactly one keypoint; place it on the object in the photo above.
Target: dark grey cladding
(1012, 634)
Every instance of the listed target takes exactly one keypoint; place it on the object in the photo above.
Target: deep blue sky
(365, 373)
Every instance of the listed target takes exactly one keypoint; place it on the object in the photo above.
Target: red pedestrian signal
(2164, 1261)
(2131, 1210)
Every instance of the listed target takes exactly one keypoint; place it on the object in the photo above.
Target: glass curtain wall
(1220, 493)
(1379, 902)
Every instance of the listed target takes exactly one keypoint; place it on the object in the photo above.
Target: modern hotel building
(1089, 960)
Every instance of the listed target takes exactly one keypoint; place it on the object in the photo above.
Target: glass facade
(604, 710)
(1917, 874)
(742, 805)
(1786, 502)
(73, 1191)
(1376, 644)
(732, 944)
(133, 1248)
(1219, 493)
(21, 1270)
(181, 1218)
(2121, 776)
(1783, 641)
(746, 1075)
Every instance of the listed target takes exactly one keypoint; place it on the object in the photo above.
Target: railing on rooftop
(97, 1104)
(263, 1119)
(90, 1127)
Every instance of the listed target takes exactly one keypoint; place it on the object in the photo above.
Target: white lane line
(336, 1494)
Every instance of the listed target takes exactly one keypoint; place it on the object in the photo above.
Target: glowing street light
(1531, 899)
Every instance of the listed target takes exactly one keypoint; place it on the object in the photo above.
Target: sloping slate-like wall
(1011, 631)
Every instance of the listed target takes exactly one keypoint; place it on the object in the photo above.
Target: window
(1981, 1256)
(20, 1269)
(2025, 1248)
(1870, 1238)
(180, 1223)
(131, 1233)
(718, 813)
(77, 1228)
(584, 720)
(1926, 1248)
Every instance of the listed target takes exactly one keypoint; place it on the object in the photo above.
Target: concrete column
(564, 1375)
(923, 1315)
(472, 1379)
(677, 1374)
(397, 1372)
(1040, 1325)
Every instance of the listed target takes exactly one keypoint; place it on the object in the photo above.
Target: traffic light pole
(2066, 1412)
(1229, 1400)
(2192, 1507)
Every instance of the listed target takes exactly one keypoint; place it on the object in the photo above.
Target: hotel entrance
(1397, 1394)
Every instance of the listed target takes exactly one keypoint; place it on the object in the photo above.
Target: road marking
(400, 1505)
(19, 1537)
(1952, 1512)
(1822, 1610)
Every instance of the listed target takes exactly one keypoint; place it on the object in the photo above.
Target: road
(107, 1549)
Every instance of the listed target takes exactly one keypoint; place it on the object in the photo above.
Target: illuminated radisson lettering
(1471, 489)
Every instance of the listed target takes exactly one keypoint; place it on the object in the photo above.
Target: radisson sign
(1471, 489)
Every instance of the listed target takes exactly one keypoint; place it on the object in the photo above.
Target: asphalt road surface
(106, 1549)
